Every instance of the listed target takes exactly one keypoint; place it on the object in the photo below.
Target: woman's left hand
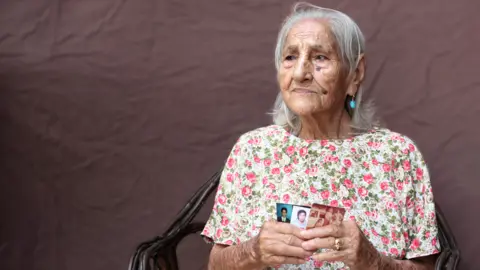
(346, 242)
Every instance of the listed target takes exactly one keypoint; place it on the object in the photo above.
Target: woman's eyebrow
(319, 47)
(291, 48)
(313, 47)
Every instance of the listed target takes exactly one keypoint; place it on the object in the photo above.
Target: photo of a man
(293, 214)
(283, 216)
(300, 216)
(284, 212)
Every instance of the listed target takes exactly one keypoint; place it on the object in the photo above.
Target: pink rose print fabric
(380, 177)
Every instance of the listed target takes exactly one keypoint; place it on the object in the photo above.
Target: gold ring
(338, 244)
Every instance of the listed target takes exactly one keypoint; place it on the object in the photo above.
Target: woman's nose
(302, 70)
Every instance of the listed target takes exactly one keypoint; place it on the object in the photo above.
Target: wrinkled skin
(313, 81)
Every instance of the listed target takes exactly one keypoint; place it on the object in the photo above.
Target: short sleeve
(422, 223)
(222, 225)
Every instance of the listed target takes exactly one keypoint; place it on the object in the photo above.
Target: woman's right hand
(279, 243)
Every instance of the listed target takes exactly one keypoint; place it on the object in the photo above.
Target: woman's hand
(279, 243)
(347, 244)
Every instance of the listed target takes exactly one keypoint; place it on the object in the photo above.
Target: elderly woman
(324, 147)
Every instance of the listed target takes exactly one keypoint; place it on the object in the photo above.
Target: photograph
(323, 215)
(284, 212)
(300, 216)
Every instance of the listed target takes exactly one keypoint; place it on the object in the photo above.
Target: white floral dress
(380, 177)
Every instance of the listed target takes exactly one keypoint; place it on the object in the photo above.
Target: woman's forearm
(235, 257)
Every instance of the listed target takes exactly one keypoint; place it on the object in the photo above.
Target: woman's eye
(321, 57)
(290, 58)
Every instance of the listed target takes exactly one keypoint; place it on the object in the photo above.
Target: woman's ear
(358, 76)
(360, 70)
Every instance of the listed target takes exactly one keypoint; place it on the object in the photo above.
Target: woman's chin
(305, 111)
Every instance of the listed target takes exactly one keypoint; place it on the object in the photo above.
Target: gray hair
(351, 44)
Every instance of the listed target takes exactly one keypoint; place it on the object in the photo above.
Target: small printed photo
(300, 216)
(323, 215)
(284, 212)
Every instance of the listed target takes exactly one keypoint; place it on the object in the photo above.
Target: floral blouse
(379, 177)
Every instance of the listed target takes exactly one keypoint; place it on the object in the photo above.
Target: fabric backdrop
(114, 112)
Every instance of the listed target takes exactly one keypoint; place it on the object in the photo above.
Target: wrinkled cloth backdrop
(114, 112)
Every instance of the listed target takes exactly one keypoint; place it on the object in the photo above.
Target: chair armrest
(162, 249)
(450, 254)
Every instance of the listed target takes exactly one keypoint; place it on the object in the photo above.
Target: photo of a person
(284, 212)
(299, 216)
(320, 222)
(328, 216)
(337, 217)
(283, 216)
(323, 215)
(317, 217)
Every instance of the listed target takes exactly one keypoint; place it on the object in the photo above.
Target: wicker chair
(160, 253)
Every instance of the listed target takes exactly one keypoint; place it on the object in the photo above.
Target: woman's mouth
(303, 91)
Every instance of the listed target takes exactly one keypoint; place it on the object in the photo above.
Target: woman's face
(301, 217)
(338, 217)
(320, 222)
(311, 77)
(329, 214)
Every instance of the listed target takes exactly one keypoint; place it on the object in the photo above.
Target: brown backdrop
(113, 112)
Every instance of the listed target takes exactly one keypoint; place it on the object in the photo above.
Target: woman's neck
(325, 126)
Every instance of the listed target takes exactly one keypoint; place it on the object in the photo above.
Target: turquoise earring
(352, 103)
